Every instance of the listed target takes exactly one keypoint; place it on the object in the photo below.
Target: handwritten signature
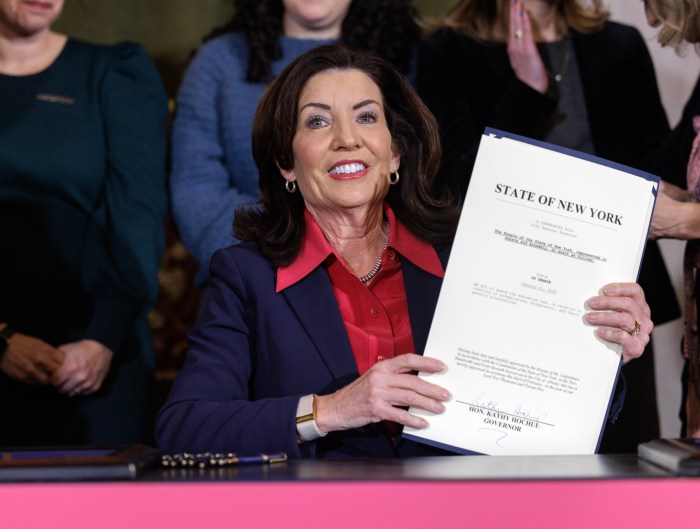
(519, 411)
(527, 414)
(491, 405)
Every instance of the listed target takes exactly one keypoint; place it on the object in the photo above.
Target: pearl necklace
(369, 275)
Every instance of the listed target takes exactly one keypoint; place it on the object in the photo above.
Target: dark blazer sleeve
(243, 376)
(213, 405)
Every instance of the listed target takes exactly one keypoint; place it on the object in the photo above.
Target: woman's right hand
(381, 394)
(522, 51)
(30, 360)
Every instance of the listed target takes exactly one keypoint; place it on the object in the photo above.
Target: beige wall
(169, 29)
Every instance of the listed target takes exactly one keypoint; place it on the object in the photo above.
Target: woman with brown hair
(315, 326)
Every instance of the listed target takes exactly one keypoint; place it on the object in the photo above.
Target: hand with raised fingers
(522, 51)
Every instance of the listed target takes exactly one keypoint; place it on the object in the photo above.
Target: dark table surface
(449, 468)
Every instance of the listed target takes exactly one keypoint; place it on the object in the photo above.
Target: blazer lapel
(313, 301)
(422, 291)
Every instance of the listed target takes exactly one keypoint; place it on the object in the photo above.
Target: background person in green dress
(82, 204)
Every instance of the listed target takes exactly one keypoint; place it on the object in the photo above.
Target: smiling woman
(343, 156)
(313, 333)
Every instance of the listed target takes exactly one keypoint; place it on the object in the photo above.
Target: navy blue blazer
(255, 352)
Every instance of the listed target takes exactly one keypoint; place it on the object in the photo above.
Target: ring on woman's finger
(518, 34)
(634, 331)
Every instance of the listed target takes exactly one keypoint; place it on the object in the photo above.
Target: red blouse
(375, 315)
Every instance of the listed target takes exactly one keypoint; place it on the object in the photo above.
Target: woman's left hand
(623, 317)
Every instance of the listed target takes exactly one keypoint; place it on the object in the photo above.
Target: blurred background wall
(171, 30)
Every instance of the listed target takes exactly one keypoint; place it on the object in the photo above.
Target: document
(542, 230)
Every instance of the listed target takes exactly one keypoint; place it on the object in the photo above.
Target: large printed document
(542, 230)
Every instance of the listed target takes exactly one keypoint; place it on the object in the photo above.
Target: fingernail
(593, 302)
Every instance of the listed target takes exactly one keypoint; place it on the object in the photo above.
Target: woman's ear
(288, 174)
(395, 158)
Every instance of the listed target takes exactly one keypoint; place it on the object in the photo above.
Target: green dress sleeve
(129, 220)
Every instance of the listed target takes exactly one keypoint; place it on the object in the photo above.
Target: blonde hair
(680, 21)
(487, 20)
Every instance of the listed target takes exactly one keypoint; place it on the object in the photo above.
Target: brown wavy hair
(277, 225)
(680, 22)
(487, 20)
(389, 28)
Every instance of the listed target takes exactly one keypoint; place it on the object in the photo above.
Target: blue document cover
(543, 228)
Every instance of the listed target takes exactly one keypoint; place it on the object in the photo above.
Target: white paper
(541, 231)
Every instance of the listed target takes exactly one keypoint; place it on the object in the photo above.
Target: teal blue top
(82, 195)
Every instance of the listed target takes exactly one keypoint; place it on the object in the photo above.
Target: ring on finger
(634, 330)
(518, 34)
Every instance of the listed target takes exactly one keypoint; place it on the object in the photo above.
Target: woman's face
(343, 151)
(305, 17)
(28, 17)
